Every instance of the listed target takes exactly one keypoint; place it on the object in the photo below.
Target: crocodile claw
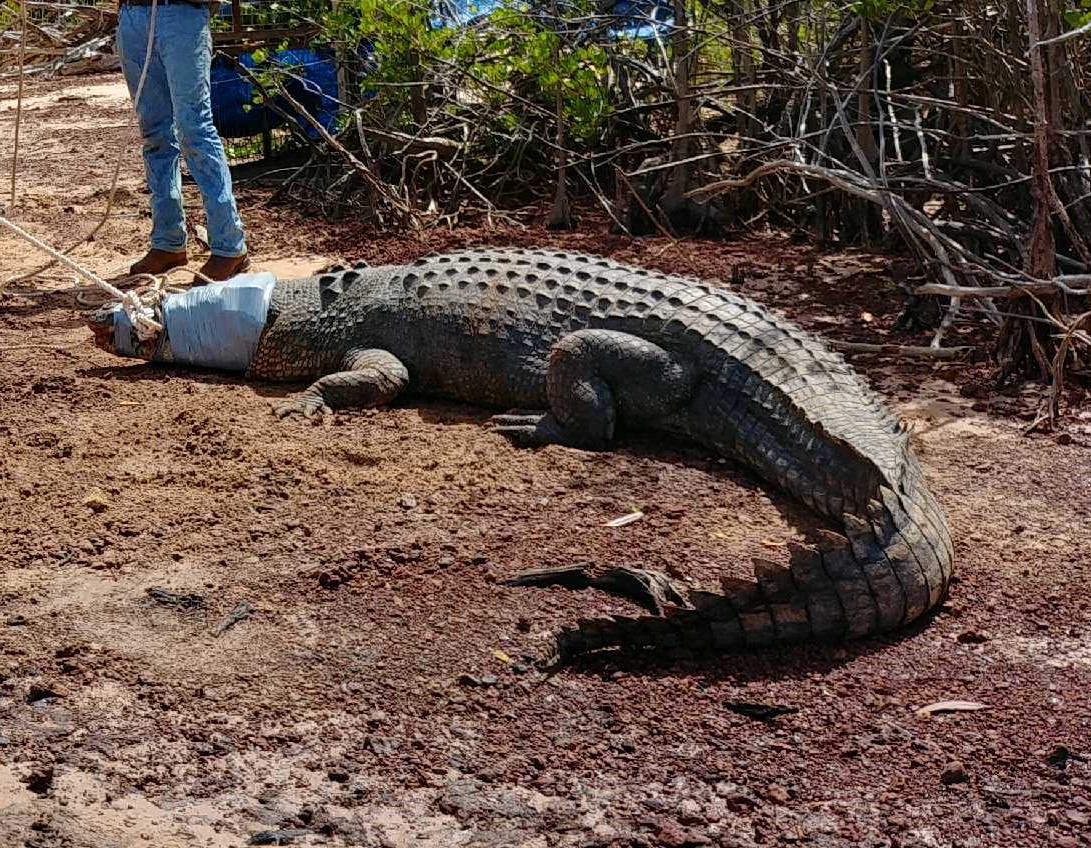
(309, 406)
(527, 429)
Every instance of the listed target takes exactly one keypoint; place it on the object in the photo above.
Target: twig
(663, 227)
(241, 612)
(911, 351)
(997, 291)
(19, 100)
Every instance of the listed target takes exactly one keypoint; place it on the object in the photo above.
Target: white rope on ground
(131, 301)
(92, 297)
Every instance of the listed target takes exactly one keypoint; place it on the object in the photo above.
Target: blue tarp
(313, 84)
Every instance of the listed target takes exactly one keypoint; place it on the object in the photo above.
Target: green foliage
(508, 60)
(1076, 18)
(9, 15)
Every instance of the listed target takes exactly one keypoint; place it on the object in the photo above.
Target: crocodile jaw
(114, 334)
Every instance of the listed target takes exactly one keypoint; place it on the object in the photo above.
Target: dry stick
(903, 350)
(998, 291)
(603, 202)
(19, 100)
(1057, 385)
(359, 166)
(663, 228)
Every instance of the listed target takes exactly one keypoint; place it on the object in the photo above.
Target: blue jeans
(175, 112)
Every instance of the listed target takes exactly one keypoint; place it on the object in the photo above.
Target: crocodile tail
(888, 568)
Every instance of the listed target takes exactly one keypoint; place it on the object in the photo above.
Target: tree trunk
(674, 197)
(1025, 343)
(560, 218)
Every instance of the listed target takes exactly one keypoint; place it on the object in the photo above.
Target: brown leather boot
(221, 268)
(157, 261)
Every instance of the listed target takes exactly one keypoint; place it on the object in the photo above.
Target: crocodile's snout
(115, 334)
(102, 325)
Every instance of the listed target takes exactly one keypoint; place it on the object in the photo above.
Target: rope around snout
(137, 303)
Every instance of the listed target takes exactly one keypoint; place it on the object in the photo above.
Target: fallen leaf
(951, 707)
(625, 519)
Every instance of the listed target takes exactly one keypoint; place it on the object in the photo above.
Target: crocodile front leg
(369, 377)
(593, 377)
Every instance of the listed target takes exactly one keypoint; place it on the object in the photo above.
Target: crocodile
(573, 348)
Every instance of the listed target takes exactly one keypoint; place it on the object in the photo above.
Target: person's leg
(185, 45)
(161, 149)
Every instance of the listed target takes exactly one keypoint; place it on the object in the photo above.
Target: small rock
(408, 501)
(328, 581)
(972, 637)
(954, 772)
(1076, 817)
(97, 502)
(777, 794)
(279, 837)
(483, 681)
(375, 717)
(382, 746)
(39, 692)
(1059, 757)
(673, 836)
(689, 812)
(40, 781)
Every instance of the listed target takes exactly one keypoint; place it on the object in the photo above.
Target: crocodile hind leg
(369, 377)
(593, 377)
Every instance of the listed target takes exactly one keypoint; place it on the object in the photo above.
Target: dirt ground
(381, 693)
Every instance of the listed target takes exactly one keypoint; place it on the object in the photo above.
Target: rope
(130, 301)
(132, 116)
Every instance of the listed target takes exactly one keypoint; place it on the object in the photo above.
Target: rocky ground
(381, 692)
